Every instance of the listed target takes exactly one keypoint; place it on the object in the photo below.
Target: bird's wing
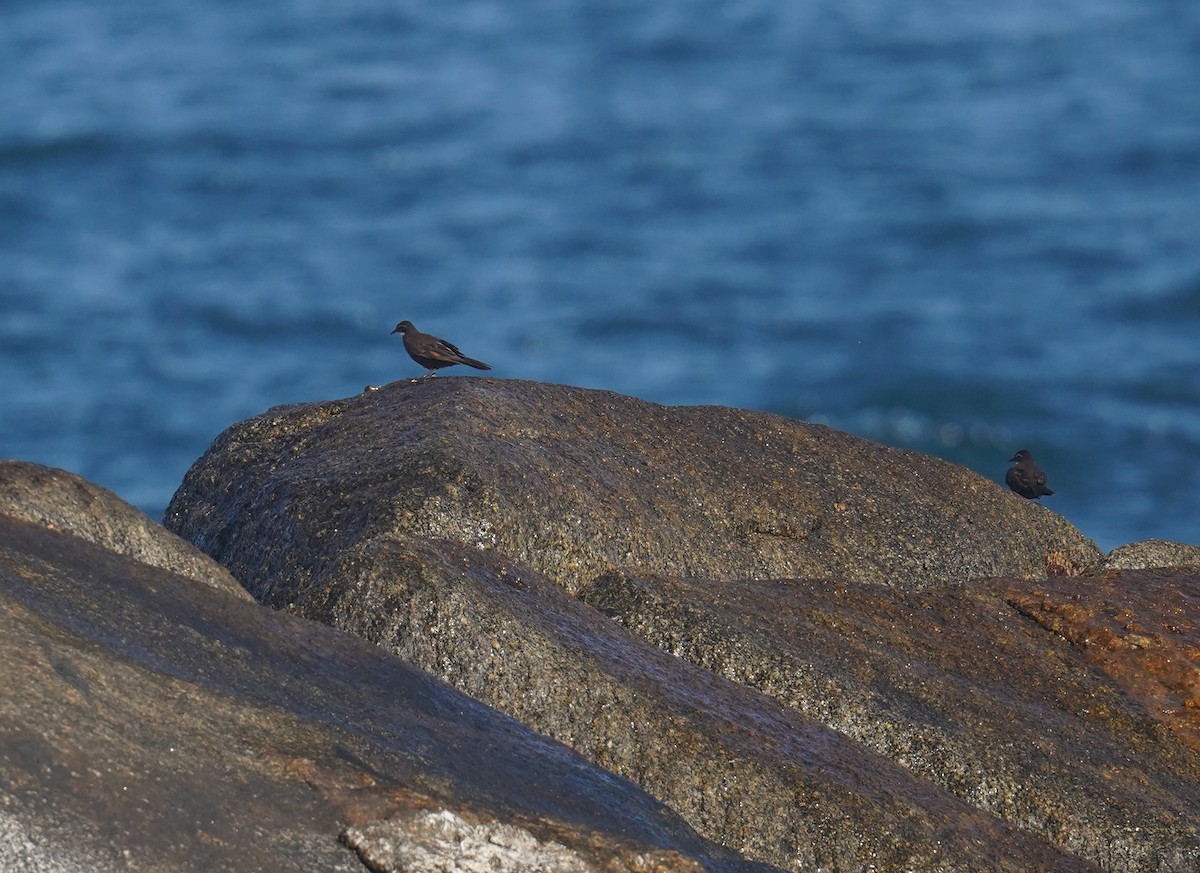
(448, 350)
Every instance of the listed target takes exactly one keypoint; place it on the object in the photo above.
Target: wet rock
(151, 723)
(448, 519)
(573, 483)
(741, 768)
(1141, 629)
(1152, 554)
(960, 687)
(65, 502)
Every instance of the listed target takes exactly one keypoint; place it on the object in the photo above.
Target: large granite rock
(65, 502)
(738, 766)
(958, 685)
(442, 518)
(574, 483)
(150, 722)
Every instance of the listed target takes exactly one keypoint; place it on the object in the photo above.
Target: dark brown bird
(431, 352)
(1026, 477)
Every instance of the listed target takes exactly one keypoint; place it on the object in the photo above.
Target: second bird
(1026, 477)
(432, 352)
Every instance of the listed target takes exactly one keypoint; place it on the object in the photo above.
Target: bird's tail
(478, 365)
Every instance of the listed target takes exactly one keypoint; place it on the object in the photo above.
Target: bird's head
(1021, 455)
(403, 327)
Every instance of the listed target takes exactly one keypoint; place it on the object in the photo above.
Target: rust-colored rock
(1141, 628)
(954, 684)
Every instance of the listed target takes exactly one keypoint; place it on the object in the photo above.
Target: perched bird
(431, 352)
(1026, 477)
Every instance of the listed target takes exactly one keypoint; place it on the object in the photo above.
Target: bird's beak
(395, 330)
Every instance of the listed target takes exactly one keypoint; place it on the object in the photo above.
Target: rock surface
(442, 518)
(1139, 629)
(443, 841)
(65, 502)
(573, 483)
(149, 722)
(738, 766)
(1152, 555)
(959, 686)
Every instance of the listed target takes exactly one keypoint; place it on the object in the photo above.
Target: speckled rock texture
(448, 519)
(741, 768)
(1151, 555)
(65, 502)
(574, 482)
(959, 686)
(149, 722)
(442, 841)
(1141, 629)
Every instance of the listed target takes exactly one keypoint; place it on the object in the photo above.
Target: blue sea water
(959, 227)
